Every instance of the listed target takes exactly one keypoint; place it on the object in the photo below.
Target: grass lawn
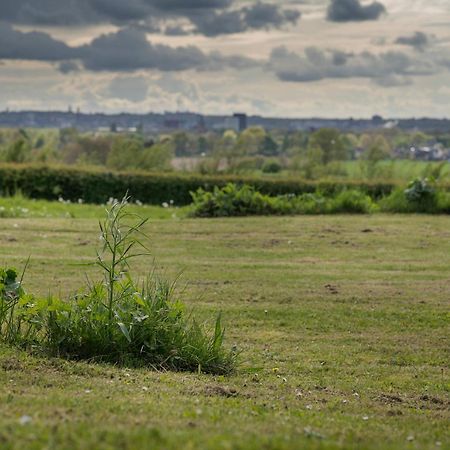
(343, 323)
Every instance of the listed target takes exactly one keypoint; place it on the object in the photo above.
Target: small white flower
(165, 205)
(24, 420)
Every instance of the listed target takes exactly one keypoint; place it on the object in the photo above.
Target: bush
(114, 320)
(355, 202)
(421, 196)
(272, 166)
(233, 200)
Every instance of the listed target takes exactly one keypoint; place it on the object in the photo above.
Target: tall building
(242, 118)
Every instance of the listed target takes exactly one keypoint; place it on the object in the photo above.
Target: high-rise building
(242, 118)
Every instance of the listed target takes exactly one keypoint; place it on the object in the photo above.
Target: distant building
(242, 120)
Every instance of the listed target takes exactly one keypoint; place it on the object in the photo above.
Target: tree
(126, 153)
(250, 141)
(268, 146)
(331, 143)
(157, 157)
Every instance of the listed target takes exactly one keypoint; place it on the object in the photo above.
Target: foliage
(331, 145)
(115, 320)
(421, 196)
(97, 186)
(272, 166)
(233, 200)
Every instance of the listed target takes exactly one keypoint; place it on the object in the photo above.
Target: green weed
(114, 320)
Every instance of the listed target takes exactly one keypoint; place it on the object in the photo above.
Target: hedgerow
(97, 186)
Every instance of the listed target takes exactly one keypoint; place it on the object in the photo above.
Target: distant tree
(268, 146)
(157, 157)
(331, 143)
(376, 149)
(181, 143)
(126, 153)
(250, 141)
(17, 151)
(67, 135)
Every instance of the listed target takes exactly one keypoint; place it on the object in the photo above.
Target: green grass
(19, 206)
(400, 169)
(342, 321)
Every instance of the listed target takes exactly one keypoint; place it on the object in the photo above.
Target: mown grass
(19, 206)
(342, 321)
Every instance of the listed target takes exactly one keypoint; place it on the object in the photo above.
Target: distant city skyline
(292, 58)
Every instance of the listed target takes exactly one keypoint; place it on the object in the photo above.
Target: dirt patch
(221, 391)
(390, 399)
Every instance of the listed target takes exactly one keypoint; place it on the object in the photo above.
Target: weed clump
(115, 320)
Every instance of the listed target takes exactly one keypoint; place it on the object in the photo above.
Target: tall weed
(117, 320)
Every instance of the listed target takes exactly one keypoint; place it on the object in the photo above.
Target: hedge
(97, 186)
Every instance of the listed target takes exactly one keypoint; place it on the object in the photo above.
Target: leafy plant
(233, 200)
(115, 320)
(421, 196)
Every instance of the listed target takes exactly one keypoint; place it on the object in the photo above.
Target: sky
(289, 58)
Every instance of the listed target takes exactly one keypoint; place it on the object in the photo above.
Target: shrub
(114, 320)
(271, 166)
(233, 200)
(421, 196)
(355, 202)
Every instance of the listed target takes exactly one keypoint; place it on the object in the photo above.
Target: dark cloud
(176, 30)
(34, 45)
(126, 50)
(353, 10)
(418, 40)
(316, 64)
(211, 17)
(258, 16)
(68, 66)
(129, 50)
(214, 24)
(262, 15)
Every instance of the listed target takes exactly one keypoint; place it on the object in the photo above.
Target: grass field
(343, 323)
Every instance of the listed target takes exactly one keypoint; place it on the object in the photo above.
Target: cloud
(133, 89)
(353, 10)
(316, 64)
(32, 46)
(418, 40)
(258, 16)
(393, 80)
(68, 66)
(126, 50)
(262, 15)
(204, 15)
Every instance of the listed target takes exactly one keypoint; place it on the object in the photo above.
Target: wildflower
(165, 205)
(24, 420)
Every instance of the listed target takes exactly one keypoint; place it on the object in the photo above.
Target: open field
(342, 321)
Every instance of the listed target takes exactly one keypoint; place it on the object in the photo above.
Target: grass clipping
(114, 320)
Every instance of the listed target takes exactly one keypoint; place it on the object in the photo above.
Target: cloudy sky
(289, 58)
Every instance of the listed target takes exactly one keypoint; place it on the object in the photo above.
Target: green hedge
(97, 186)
